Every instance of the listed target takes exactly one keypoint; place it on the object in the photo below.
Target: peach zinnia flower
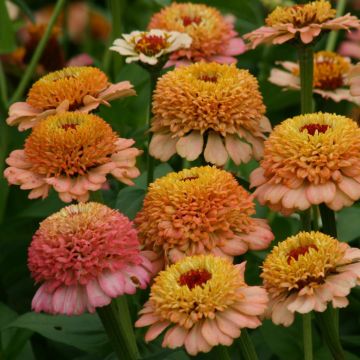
(73, 153)
(351, 45)
(81, 89)
(200, 210)
(149, 47)
(302, 22)
(355, 80)
(213, 103)
(310, 159)
(330, 76)
(85, 255)
(213, 37)
(305, 272)
(203, 301)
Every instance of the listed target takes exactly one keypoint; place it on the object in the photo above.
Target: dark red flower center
(301, 250)
(68, 126)
(151, 45)
(194, 177)
(208, 78)
(312, 128)
(188, 20)
(194, 278)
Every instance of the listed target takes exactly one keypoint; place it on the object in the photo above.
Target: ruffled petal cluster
(331, 76)
(201, 301)
(80, 89)
(306, 272)
(308, 160)
(150, 46)
(83, 256)
(302, 23)
(209, 108)
(199, 210)
(213, 36)
(73, 153)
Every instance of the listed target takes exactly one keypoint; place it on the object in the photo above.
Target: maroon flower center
(151, 45)
(312, 128)
(68, 126)
(194, 278)
(194, 177)
(208, 78)
(188, 20)
(301, 250)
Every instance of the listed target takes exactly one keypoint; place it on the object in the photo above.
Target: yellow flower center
(207, 96)
(301, 260)
(311, 147)
(151, 45)
(69, 144)
(315, 12)
(195, 288)
(329, 70)
(71, 83)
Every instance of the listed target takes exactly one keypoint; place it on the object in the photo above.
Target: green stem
(3, 89)
(117, 323)
(331, 41)
(307, 336)
(305, 217)
(221, 353)
(315, 222)
(328, 221)
(306, 62)
(327, 322)
(150, 160)
(247, 348)
(37, 54)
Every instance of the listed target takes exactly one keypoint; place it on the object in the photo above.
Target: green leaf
(84, 332)
(25, 9)
(129, 201)
(7, 35)
(348, 224)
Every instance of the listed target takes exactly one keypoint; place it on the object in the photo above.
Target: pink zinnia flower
(213, 37)
(200, 210)
(306, 272)
(355, 80)
(331, 76)
(308, 160)
(302, 22)
(73, 153)
(85, 255)
(79, 89)
(202, 301)
(351, 45)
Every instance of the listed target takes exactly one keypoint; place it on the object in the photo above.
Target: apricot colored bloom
(215, 104)
(302, 23)
(202, 301)
(331, 76)
(306, 272)
(83, 256)
(355, 81)
(310, 159)
(150, 46)
(199, 210)
(213, 36)
(81, 89)
(73, 153)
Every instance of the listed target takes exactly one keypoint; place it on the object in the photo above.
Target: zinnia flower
(305, 272)
(199, 210)
(351, 45)
(85, 255)
(213, 37)
(212, 103)
(330, 76)
(73, 153)
(81, 89)
(301, 22)
(203, 301)
(310, 159)
(355, 80)
(149, 47)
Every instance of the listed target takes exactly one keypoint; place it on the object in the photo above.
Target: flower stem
(307, 336)
(117, 323)
(3, 89)
(37, 54)
(306, 61)
(150, 160)
(247, 348)
(327, 322)
(328, 221)
(305, 217)
(331, 41)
